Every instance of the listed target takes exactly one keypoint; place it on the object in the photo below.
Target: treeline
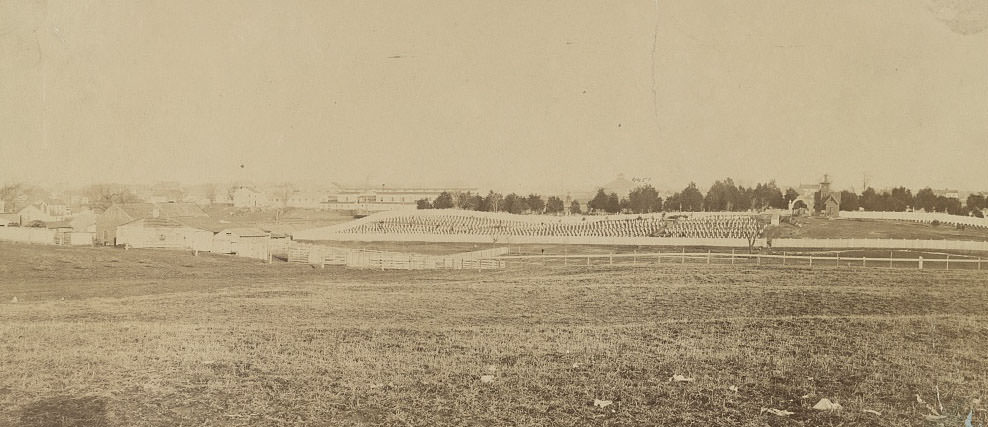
(722, 196)
(495, 202)
(901, 199)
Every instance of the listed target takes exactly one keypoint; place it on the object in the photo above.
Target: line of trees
(723, 195)
(900, 199)
(496, 202)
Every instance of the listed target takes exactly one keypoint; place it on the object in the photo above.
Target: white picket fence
(670, 241)
(956, 245)
(642, 259)
(924, 217)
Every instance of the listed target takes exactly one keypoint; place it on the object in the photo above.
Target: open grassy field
(107, 337)
(822, 228)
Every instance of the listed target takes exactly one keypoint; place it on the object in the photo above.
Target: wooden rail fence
(946, 262)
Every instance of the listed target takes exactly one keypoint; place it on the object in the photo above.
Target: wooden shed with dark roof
(123, 213)
(163, 233)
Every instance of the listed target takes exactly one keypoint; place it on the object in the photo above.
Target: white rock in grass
(873, 412)
(826, 405)
(487, 378)
(733, 388)
(602, 403)
(681, 379)
(932, 417)
(779, 412)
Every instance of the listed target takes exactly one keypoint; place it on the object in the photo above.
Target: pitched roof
(165, 210)
(204, 223)
(245, 232)
(59, 224)
(835, 196)
(158, 223)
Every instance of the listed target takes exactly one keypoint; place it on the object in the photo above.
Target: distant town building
(309, 199)
(9, 219)
(246, 197)
(950, 194)
(34, 212)
(383, 198)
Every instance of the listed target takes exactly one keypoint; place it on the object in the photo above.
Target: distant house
(56, 208)
(163, 233)
(948, 193)
(123, 213)
(35, 212)
(308, 199)
(246, 197)
(9, 219)
(383, 198)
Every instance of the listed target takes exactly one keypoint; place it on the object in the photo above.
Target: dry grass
(162, 338)
(821, 228)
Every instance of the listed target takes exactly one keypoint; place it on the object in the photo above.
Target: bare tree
(9, 194)
(102, 196)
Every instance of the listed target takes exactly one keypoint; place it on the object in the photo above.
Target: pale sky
(502, 94)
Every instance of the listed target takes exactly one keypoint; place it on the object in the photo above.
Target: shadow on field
(65, 411)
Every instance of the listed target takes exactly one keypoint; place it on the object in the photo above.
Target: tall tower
(825, 187)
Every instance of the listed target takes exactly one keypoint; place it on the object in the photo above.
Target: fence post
(611, 258)
(588, 260)
(708, 256)
(683, 259)
(811, 261)
(783, 257)
(732, 256)
(920, 262)
(759, 259)
(838, 259)
(948, 262)
(890, 258)
(864, 261)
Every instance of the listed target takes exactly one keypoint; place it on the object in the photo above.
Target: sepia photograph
(493, 213)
